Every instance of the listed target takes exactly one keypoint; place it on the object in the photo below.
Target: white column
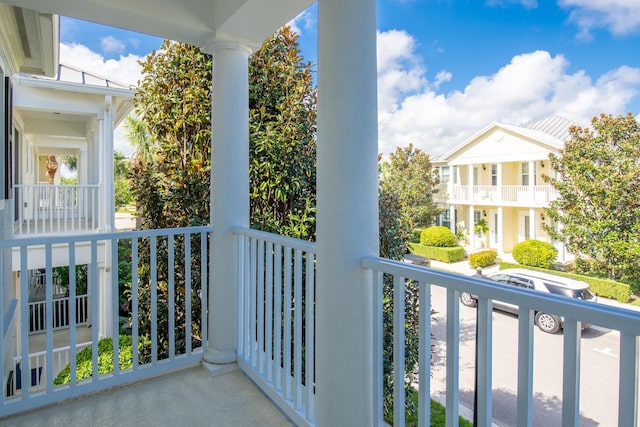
(347, 210)
(83, 167)
(107, 167)
(533, 222)
(229, 191)
(500, 230)
(472, 224)
(470, 183)
(499, 179)
(107, 221)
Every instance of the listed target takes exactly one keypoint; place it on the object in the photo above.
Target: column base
(218, 357)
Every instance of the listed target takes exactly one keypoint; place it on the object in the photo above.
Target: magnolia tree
(597, 213)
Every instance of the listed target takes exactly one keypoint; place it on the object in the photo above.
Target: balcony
(276, 327)
(491, 195)
(48, 208)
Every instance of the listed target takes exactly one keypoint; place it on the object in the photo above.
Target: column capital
(218, 43)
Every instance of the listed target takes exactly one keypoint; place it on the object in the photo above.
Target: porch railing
(61, 310)
(514, 195)
(276, 320)
(574, 312)
(37, 366)
(169, 274)
(48, 208)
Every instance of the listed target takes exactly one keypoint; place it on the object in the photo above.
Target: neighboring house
(497, 176)
(52, 112)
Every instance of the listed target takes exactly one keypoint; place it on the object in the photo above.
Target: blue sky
(448, 68)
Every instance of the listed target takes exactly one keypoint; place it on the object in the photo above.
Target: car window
(502, 278)
(521, 282)
(560, 290)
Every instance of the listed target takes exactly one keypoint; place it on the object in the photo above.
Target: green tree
(598, 210)
(171, 168)
(282, 121)
(122, 187)
(409, 174)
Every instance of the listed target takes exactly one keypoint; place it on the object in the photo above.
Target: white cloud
(125, 70)
(531, 86)
(305, 21)
(620, 17)
(111, 44)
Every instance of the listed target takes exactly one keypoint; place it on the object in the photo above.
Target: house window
(527, 222)
(446, 219)
(455, 174)
(525, 173)
(476, 176)
(477, 216)
(495, 227)
(494, 175)
(528, 174)
(444, 174)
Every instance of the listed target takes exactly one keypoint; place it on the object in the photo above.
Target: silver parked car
(543, 282)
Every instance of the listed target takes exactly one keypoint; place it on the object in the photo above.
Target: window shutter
(8, 137)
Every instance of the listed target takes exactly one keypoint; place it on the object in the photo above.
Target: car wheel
(548, 323)
(467, 299)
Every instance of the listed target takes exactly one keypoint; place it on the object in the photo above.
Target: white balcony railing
(60, 306)
(46, 208)
(276, 324)
(574, 312)
(515, 195)
(169, 274)
(276, 319)
(38, 365)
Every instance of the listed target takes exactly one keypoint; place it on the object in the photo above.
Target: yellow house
(496, 178)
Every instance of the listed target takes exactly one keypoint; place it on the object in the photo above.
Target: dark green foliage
(535, 253)
(415, 234)
(122, 186)
(84, 361)
(438, 414)
(606, 288)
(483, 258)
(394, 235)
(282, 137)
(438, 236)
(453, 254)
(409, 174)
(598, 183)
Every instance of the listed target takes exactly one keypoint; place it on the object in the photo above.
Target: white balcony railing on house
(38, 365)
(276, 319)
(47, 208)
(511, 195)
(169, 273)
(276, 324)
(61, 311)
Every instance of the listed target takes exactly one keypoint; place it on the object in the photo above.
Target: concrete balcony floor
(189, 397)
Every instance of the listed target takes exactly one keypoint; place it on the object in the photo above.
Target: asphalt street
(599, 369)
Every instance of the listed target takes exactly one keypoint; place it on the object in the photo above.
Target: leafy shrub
(415, 234)
(438, 236)
(535, 253)
(84, 363)
(602, 287)
(483, 258)
(453, 254)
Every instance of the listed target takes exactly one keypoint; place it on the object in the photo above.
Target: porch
(276, 339)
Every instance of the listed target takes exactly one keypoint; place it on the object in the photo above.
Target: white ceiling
(192, 21)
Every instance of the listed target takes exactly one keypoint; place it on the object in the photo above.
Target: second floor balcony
(47, 208)
(505, 195)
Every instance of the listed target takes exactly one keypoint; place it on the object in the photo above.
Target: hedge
(535, 253)
(483, 258)
(606, 288)
(415, 234)
(439, 236)
(453, 254)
